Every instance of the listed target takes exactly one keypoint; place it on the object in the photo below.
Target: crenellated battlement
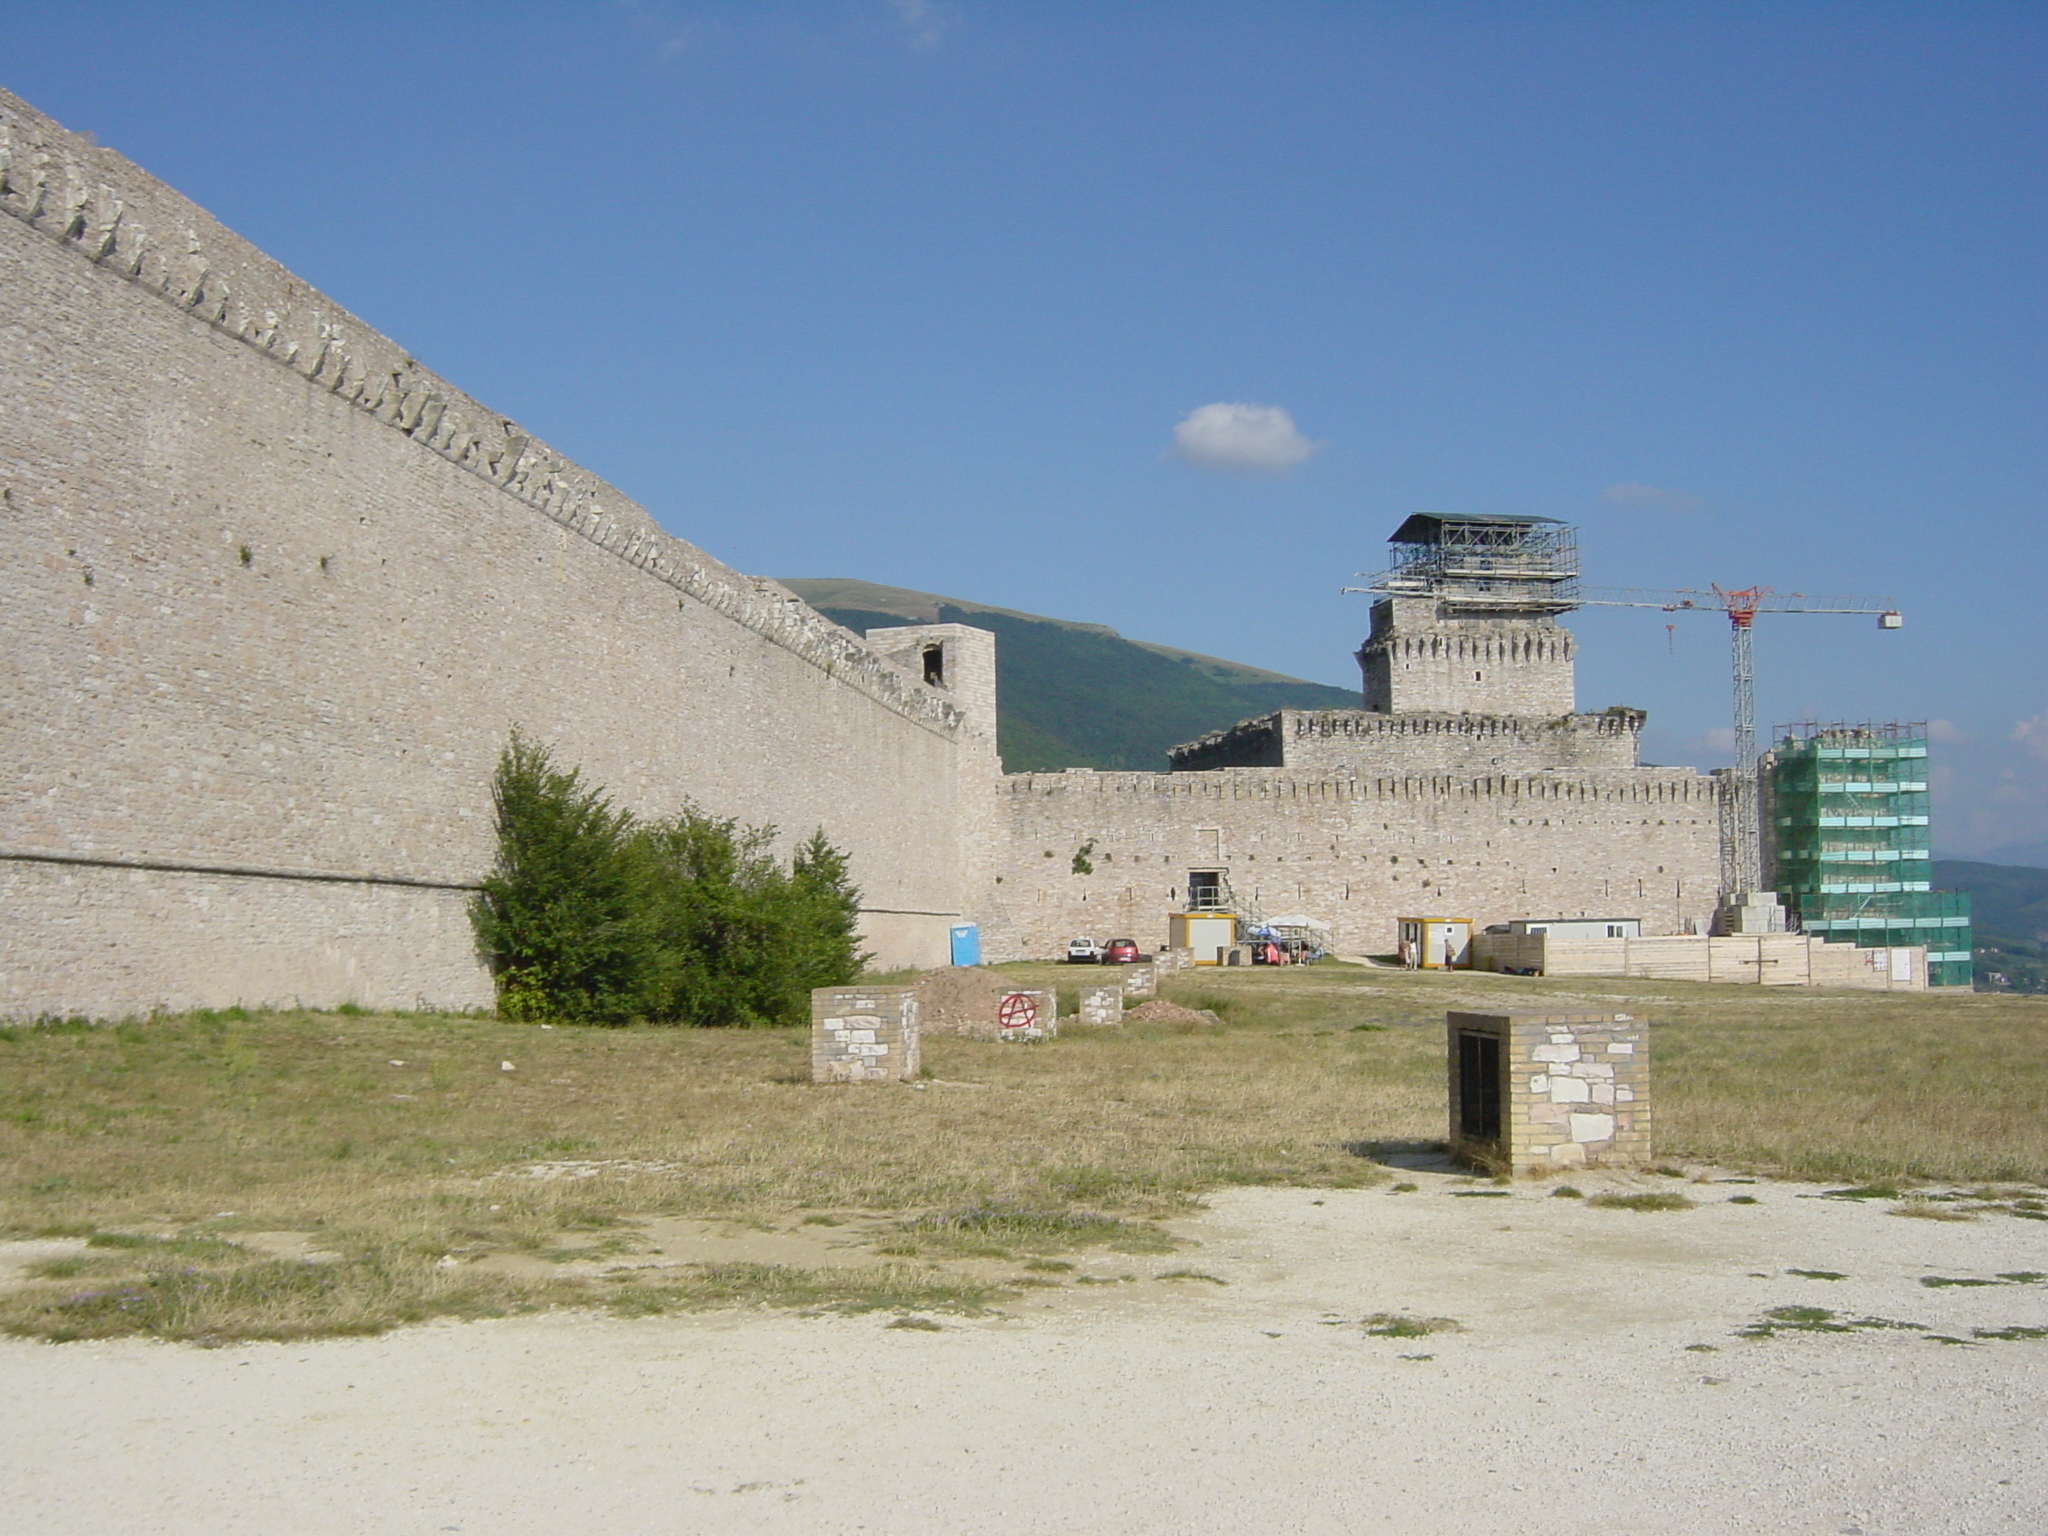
(1362, 743)
(116, 216)
(1677, 787)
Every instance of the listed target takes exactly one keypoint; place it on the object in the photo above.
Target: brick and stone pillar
(1543, 1092)
(1027, 1015)
(1141, 980)
(863, 1034)
(1102, 1003)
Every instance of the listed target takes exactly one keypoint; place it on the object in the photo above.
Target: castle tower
(1466, 621)
(956, 659)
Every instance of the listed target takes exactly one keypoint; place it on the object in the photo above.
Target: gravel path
(1568, 1400)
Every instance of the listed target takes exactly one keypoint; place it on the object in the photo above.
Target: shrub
(592, 916)
(562, 917)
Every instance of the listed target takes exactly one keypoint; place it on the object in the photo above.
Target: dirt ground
(1594, 1381)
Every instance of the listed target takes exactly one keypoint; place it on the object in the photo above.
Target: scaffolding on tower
(1846, 815)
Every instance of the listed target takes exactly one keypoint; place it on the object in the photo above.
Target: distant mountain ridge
(2009, 918)
(1077, 695)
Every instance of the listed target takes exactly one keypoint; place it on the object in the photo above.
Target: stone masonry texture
(1573, 1089)
(1423, 656)
(864, 1035)
(1102, 1003)
(274, 596)
(1357, 852)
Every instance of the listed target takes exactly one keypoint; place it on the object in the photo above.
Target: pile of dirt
(959, 1000)
(1160, 1011)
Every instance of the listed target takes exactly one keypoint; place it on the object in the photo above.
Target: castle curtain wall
(1355, 853)
(273, 597)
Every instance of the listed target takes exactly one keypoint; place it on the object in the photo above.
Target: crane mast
(1741, 844)
(1455, 566)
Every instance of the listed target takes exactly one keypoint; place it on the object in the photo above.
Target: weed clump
(1926, 1209)
(1401, 1325)
(999, 1232)
(1649, 1201)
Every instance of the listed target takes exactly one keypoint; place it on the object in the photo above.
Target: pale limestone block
(1603, 1093)
(1592, 1128)
(1595, 1069)
(1569, 1090)
(1539, 1084)
(1623, 1094)
(1622, 1048)
(1568, 1155)
(1555, 1052)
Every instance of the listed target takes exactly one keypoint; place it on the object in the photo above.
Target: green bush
(591, 916)
(562, 919)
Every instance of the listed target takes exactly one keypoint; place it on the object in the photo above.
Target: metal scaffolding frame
(1848, 818)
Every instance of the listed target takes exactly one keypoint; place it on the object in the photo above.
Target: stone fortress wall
(1467, 787)
(1358, 743)
(274, 595)
(1356, 852)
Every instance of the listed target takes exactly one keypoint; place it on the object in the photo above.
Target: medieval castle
(275, 594)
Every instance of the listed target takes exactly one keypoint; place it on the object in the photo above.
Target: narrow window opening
(935, 665)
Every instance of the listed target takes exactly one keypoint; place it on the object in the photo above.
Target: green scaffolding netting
(1846, 819)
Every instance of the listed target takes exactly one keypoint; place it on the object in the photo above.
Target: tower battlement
(1466, 621)
(1361, 743)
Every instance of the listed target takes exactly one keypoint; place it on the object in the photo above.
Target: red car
(1122, 952)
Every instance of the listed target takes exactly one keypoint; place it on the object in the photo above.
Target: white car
(1083, 952)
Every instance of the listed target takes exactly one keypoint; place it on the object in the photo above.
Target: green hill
(1081, 695)
(2009, 918)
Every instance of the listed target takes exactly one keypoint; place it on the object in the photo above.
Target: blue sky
(918, 290)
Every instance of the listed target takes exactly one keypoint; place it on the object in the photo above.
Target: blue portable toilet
(966, 944)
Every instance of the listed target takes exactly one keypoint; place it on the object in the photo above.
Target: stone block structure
(275, 594)
(1028, 1014)
(1102, 1005)
(1534, 1093)
(1354, 852)
(864, 1034)
(1354, 742)
(1141, 980)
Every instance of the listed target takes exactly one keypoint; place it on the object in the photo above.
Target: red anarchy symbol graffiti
(1019, 1010)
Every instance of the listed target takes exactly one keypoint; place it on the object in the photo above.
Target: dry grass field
(225, 1176)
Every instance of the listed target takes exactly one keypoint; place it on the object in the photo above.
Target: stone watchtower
(1466, 621)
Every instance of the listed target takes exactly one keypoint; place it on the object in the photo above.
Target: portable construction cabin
(1211, 935)
(1580, 927)
(1436, 943)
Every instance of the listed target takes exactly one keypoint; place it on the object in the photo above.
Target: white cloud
(2032, 734)
(924, 22)
(1236, 435)
(1946, 731)
(1656, 496)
